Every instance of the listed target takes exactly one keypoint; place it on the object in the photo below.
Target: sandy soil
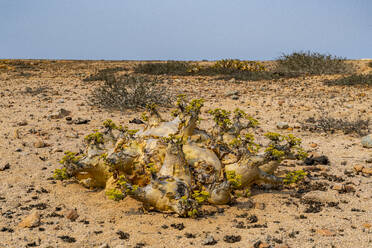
(29, 95)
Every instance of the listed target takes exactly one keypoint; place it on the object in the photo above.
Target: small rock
(367, 225)
(80, 121)
(32, 220)
(22, 123)
(4, 167)
(313, 160)
(320, 196)
(338, 187)
(313, 145)
(61, 100)
(209, 240)
(39, 144)
(281, 102)
(123, 235)
(235, 97)
(282, 125)
(105, 245)
(136, 121)
(71, 214)
(367, 141)
(358, 168)
(367, 171)
(232, 238)
(232, 93)
(60, 114)
(349, 188)
(325, 232)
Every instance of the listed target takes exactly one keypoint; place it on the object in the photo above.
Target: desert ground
(334, 211)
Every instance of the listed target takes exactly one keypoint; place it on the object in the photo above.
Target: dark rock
(232, 238)
(4, 167)
(67, 239)
(136, 121)
(80, 121)
(123, 235)
(317, 160)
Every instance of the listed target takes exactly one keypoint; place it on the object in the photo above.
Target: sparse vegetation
(164, 68)
(128, 92)
(311, 63)
(330, 125)
(294, 177)
(370, 64)
(354, 79)
(103, 74)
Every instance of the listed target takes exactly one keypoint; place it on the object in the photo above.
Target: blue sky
(183, 30)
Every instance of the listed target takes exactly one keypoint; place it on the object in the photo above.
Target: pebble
(39, 144)
(105, 245)
(4, 167)
(367, 141)
(59, 114)
(22, 123)
(313, 145)
(282, 125)
(209, 240)
(71, 214)
(358, 168)
(232, 93)
(32, 220)
(367, 171)
(325, 232)
(320, 196)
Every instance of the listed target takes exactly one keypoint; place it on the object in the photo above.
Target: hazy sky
(183, 30)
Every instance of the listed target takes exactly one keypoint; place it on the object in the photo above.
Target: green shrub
(311, 63)
(294, 177)
(129, 92)
(354, 79)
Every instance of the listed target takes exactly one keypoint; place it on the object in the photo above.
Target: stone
(4, 167)
(209, 240)
(367, 141)
(232, 93)
(32, 220)
(235, 97)
(367, 171)
(321, 196)
(358, 168)
(105, 245)
(22, 123)
(325, 232)
(367, 225)
(313, 145)
(60, 114)
(71, 214)
(282, 125)
(39, 144)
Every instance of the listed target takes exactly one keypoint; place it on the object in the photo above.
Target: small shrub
(354, 79)
(129, 92)
(370, 64)
(60, 174)
(164, 68)
(330, 125)
(115, 194)
(294, 177)
(103, 74)
(311, 63)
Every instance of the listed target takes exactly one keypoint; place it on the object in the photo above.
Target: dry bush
(370, 64)
(311, 63)
(103, 74)
(164, 68)
(354, 79)
(129, 92)
(330, 125)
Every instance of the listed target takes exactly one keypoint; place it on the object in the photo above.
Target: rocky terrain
(44, 111)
